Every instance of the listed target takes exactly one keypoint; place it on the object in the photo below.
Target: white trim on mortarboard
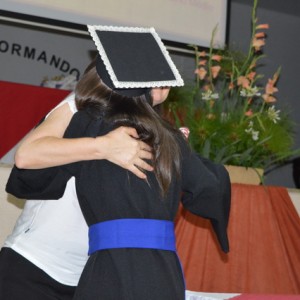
(124, 84)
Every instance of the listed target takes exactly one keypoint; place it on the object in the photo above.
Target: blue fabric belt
(132, 233)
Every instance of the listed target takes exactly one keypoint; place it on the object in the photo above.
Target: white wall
(26, 53)
(174, 20)
(10, 207)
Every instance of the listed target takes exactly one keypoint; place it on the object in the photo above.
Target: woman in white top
(44, 256)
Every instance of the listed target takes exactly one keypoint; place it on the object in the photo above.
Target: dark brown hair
(135, 112)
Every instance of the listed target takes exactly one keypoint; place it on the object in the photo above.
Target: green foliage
(233, 120)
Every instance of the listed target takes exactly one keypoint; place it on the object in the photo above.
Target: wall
(10, 207)
(28, 55)
(282, 49)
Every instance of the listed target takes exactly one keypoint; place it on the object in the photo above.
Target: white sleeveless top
(53, 234)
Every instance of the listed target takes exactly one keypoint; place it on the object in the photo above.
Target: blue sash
(132, 233)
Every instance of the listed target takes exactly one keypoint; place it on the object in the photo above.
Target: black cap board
(133, 57)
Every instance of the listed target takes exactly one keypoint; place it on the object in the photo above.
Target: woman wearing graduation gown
(128, 258)
(131, 221)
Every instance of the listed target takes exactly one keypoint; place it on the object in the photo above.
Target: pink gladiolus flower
(243, 81)
(269, 98)
(202, 54)
(202, 62)
(201, 72)
(258, 43)
(206, 87)
(249, 113)
(251, 76)
(270, 88)
(262, 26)
(216, 57)
(260, 35)
(215, 71)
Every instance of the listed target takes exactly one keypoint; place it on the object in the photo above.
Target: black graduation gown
(108, 192)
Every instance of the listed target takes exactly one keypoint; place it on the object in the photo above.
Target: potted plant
(232, 117)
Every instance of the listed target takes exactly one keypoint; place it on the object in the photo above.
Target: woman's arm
(46, 147)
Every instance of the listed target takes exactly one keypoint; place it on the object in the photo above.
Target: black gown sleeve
(44, 184)
(207, 192)
(50, 183)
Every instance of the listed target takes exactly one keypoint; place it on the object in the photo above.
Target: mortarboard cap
(133, 58)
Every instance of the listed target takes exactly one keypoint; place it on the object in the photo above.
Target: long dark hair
(135, 112)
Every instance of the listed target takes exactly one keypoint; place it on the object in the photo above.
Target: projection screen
(181, 21)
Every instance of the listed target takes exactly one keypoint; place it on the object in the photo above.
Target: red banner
(22, 106)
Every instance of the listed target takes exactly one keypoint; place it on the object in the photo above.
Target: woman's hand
(124, 149)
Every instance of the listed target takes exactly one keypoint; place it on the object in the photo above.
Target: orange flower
(216, 57)
(215, 71)
(270, 88)
(243, 81)
(262, 26)
(231, 86)
(202, 54)
(260, 35)
(258, 43)
(251, 76)
(202, 62)
(206, 87)
(249, 113)
(201, 72)
(269, 98)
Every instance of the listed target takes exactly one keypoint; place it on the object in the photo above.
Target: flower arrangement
(62, 82)
(232, 119)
